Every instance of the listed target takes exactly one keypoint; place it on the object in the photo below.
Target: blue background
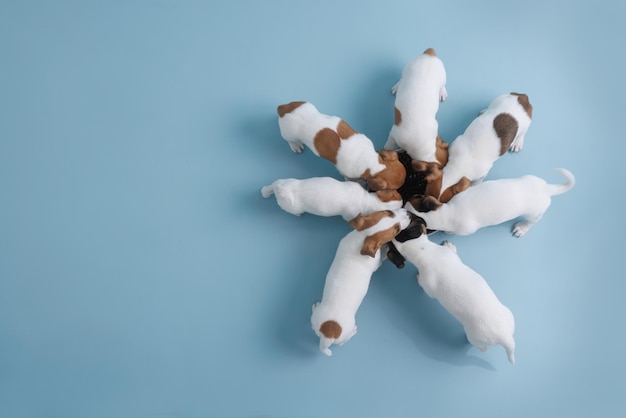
(143, 275)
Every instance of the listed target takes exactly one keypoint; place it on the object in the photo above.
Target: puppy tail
(267, 191)
(325, 343)
(555, 189)
(509, 347)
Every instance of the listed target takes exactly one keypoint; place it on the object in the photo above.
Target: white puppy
(418, 93)
(500, 127)
(331, 138)
(358, 257)
(459, 289)
(326, 196)
(491, 203)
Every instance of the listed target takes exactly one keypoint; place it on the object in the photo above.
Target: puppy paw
(443, 94)
(394, 89)
(315, 305)
(296, 147)
(520, 228)
(449, 245)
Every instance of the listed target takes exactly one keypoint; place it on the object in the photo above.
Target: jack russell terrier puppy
(500, 127)
(358, 257)
(418, 93)
(462, 291)
(491, 203)
(332, 138)
(326, 196)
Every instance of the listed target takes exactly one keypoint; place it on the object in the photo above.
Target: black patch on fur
(395, 257)
(416, 228)
(415, 182)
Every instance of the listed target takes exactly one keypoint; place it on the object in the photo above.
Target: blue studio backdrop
(142, 274)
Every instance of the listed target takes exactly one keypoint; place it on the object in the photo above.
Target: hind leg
(520, 228)
(517, 144)
(296, 146)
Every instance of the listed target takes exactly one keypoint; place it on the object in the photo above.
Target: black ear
(416, 228)
(394, 256)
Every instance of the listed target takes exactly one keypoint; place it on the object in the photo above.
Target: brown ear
(377, 183)
(419, 165)
(423, 203)
(434, 173)
(451, 191)
(362, 222)
(388, 155)
(372, 243)
(388, 195)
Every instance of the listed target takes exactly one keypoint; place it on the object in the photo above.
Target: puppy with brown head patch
(491, 203)
(358, 257)
(326, 196)
(332, 138)
(498, 129)
(418, 93)
(462, 291)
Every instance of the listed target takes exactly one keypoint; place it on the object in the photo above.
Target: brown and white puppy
(462, 291)
(418, 93)
(492, 203)
(358, 257)
(332, 138)
(326, 196)
(500, 127)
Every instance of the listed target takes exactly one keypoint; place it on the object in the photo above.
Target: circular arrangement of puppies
(418, 183)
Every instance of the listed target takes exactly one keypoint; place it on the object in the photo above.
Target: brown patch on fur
(506, 127)
(430, 52)
(522, 99)
(398, 116)
(283, 109)
(441, 152)
(433, 176)
(372, 243)
(455, 189)
(362, 222)
(387, 195)
(330, 329)
(327, 144)
(425, 203)
(391, 177)
(344, 130)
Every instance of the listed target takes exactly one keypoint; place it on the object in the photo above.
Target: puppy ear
(357, 223)
(372, 243)
(388, 155)
(455, 189)
(423, 203)
(388, 195)
(419, 165)
(377, 183)
(434, 173)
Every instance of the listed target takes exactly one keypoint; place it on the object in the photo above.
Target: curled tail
(267, 191)
(555, 189)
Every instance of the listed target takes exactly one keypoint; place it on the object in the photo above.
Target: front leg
(517, 144)
(449, 245)
(443, 94)
(394, 89)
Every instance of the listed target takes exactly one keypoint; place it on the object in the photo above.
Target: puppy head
(423, 203)
(416, 228)
(391, 177)
(283, 109)
(433, 176)
(384, 226)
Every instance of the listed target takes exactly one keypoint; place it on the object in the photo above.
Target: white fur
(418, 93)
(326, 196)
(347, 282)
(462, 291)
(355, 155)
(494, 202)
(473, 153)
